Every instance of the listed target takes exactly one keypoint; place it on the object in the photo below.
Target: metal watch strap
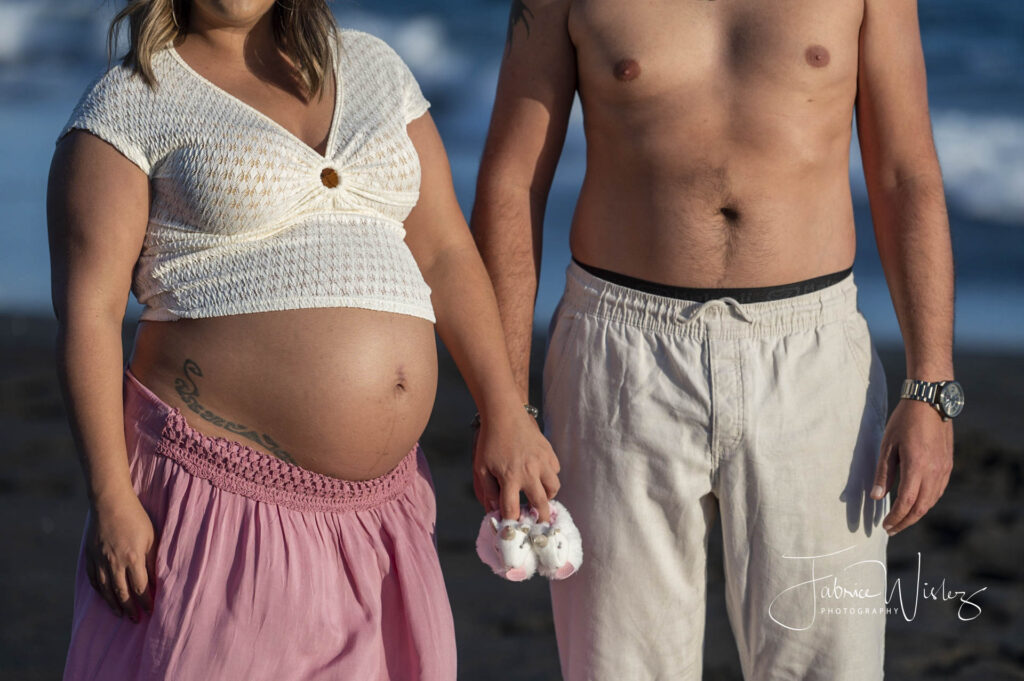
(920, 390)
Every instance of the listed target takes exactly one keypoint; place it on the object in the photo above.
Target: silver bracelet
(530, 409)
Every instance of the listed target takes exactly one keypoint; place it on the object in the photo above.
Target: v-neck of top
(334, 115)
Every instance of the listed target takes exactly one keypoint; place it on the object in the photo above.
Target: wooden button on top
(329, 177)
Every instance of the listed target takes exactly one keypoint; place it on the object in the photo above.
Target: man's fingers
(906, 495)
(537, 496)
(882, 473)
(894, 468)
(915, 514)
(925, 500)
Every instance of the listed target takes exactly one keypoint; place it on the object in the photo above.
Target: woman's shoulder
(370, 51)
(119, 106)
(382, 70)
(354, 38)
(121, 91)
(121, 81)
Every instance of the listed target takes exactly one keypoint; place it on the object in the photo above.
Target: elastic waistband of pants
(757, 294)
(240, 469)
(720, 317)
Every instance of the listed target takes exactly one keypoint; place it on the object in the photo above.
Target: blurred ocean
(51, 49)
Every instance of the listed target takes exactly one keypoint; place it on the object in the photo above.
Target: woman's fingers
(538, 498)
(103, 580)
(119, 585)
(509, 500)
(139, 582)
(90, 572)
(151, 568)
(551, 484)
(488, 492)
(501, 474)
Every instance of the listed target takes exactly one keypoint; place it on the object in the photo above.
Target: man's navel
(730, 213)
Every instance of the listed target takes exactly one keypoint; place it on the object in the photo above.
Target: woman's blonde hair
(303, 29)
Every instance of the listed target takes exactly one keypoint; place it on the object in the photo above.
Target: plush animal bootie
(504, 545)
(558, 544)
(516, 549)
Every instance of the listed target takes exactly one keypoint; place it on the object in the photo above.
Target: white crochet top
(244, 216)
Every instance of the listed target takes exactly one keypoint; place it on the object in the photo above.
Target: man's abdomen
(715, 220)
(718, 139)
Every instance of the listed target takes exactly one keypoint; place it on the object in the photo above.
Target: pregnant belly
(341, 391)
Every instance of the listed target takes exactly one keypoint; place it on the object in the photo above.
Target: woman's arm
(97, 210)
(511, 453)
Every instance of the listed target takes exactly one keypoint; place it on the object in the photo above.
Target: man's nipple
(816, 55)
(627, 70)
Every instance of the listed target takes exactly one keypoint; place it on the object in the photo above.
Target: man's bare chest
(646, 49)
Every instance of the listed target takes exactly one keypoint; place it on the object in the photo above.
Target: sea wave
(50, 49)
(982, 161)
(456, 60)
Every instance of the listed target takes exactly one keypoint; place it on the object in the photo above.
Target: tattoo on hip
(188, 391)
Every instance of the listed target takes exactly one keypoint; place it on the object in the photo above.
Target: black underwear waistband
(758, 294)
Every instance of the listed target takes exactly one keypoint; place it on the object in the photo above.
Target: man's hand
(919, 444)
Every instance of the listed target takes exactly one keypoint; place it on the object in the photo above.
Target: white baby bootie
(516, 549)
(558, 544)
(504, 545)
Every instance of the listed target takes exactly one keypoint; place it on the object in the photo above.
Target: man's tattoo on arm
(188, 391)
(519, 12)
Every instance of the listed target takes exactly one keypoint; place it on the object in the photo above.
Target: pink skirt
(266, 570)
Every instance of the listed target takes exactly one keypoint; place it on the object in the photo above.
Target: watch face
(951, 399)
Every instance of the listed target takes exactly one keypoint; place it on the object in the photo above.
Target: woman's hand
(120, 554)
(512, 455)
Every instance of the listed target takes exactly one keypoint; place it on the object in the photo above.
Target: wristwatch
(946, 396)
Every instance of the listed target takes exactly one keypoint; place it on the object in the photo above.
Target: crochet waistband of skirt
(240, 469)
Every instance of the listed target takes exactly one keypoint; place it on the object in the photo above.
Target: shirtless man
(708, 358)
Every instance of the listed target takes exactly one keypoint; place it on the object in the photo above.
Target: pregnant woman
(275, 194)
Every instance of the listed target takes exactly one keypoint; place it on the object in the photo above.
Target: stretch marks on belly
(188, 391)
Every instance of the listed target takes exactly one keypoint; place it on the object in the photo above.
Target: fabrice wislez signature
(827, 589)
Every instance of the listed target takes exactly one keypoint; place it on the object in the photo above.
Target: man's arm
(912, 231)
(531, 112)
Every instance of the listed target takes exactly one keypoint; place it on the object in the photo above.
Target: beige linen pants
(666, 414)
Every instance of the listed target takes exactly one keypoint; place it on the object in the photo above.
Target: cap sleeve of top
(114, 109)
(414, 103)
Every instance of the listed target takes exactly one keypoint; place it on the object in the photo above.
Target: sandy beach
(973, 539)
